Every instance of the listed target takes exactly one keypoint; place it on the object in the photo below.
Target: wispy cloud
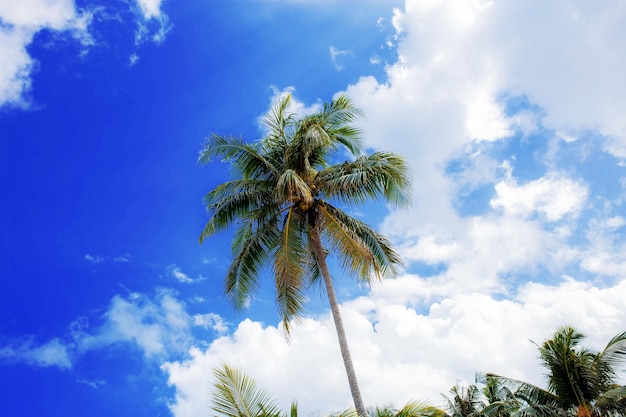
(336, 56)
(177, 273)
(94, 259)
(54, 353)
(97, 259)
(152, 23)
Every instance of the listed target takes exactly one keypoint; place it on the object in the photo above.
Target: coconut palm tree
(581, 383)
(465, 401)
(284, 205)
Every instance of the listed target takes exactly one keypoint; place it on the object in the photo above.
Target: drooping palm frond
(613, 357)
(356, 258)
(613, 402)
(237, 395)
(291, 187)
(234, 200)
(367, 253)
(251, 247)
(529, 393)
(290, 268)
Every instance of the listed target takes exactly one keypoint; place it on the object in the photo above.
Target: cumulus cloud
(157, 327)
(401, 353)
(403, 349)
(552, 196)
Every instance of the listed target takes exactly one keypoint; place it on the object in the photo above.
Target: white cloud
(211, 321)
(153, 24)
(335, 57)
(53, 353)
(122, 258)
(182, 277)
(553, 196)
(158, 326)
(401, 353)
(94, 259)
(133, 59)
(20, 21)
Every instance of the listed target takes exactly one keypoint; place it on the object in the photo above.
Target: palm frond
(348, 232)
(289, 267)
(613, 400)
(291, 187)
(235, 200)
(237, 395)
(529, 393)
(278, 120)
(245, 157)
(613, 356)
(369, 177)
(419, 409)
(251, 247)
(354, 255)
(338, 117)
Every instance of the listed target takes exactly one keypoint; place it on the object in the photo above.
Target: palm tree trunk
(341, 333)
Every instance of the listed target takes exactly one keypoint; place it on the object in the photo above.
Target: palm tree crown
(581, 383)
(283, 204)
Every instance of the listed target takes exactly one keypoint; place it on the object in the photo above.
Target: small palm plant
(237, 395)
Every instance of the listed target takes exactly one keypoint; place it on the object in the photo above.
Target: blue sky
(510, 115)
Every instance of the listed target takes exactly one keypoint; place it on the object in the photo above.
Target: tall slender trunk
(341, 333)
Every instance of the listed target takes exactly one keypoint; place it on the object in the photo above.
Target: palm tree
(465, 401)
(581, 383)
(283, 204)
(237, 395)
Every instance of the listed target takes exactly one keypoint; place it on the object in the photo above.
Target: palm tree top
(287, 183)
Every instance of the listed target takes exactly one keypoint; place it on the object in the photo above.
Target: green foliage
(237, 395)
(581, 383)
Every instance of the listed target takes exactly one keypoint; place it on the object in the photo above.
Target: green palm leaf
(369, 177)
(237, 395)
